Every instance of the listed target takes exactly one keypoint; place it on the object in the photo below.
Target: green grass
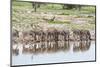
(18, 3)
(86, 26)
(21, 19)
(89, 9)
(51, 7)
(55, 8)
(59, 22)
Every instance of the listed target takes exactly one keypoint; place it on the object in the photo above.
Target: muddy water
(52, 52)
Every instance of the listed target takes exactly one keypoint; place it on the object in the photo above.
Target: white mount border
(82, 2)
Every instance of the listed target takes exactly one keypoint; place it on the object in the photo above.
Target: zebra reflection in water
(38, 48)
(59, 46)
(46, 48)
(51, 40)
(81, 46)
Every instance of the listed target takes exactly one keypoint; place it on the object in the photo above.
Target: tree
(35, 5)
(69, 6)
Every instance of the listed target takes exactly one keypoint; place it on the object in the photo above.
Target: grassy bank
(23, 15)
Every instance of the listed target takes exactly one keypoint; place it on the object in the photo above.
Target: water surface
(68, 52)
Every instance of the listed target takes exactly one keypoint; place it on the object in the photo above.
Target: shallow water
(68, 52)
